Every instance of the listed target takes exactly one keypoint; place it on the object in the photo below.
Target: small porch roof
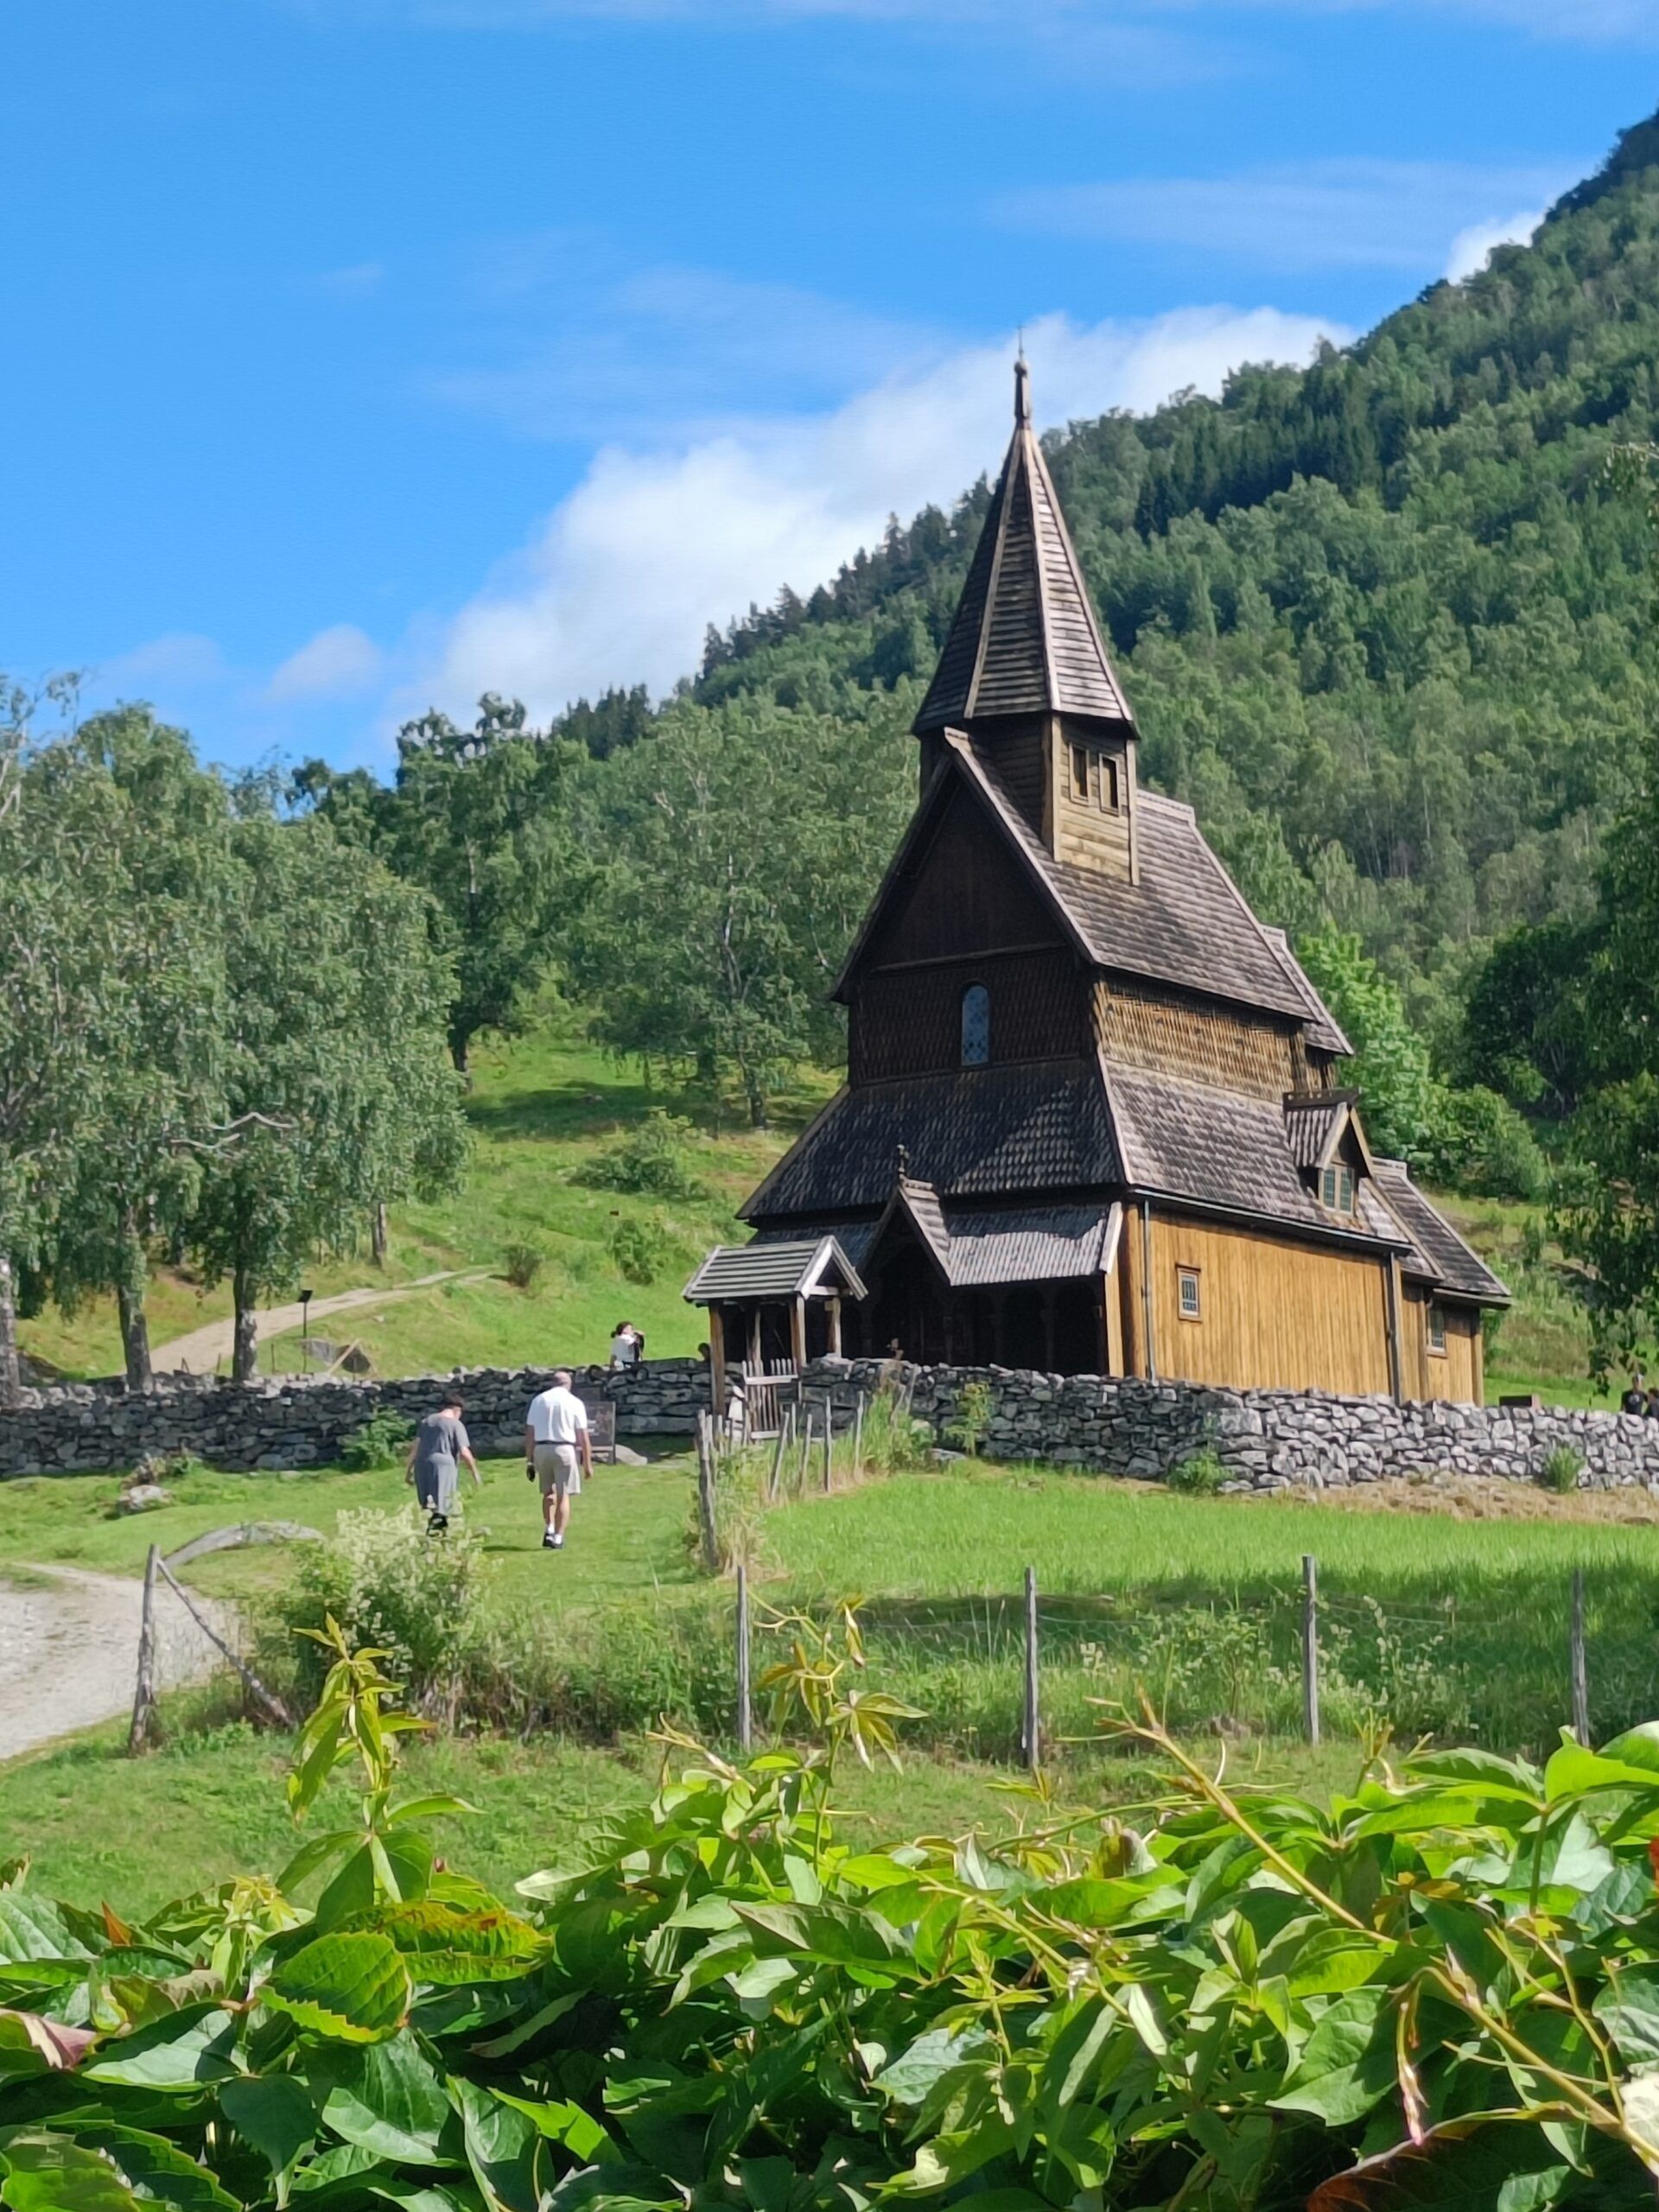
(769, 1273)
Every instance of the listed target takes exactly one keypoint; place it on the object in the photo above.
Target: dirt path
(203, 1348)
(69, 1646)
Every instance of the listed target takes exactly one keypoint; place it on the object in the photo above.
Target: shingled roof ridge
(1025, 638)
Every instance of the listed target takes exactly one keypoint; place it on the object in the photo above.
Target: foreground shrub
(1561, 1469)
(523, 1265)
(645, 1249)
(1440, 1990)
(1201, 1476)
(394, 1588)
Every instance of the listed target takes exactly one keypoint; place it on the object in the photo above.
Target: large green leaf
(352, 1987)
(275, 2113)
(1348, 2062)
(33, 1928)
(158, 2169)
(502, 2143)
(52, 2173)
(388, 2098)
(1629, 2009)
(180, 2051)
(444, 1944)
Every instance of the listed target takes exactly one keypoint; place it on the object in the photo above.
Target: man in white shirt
(557, 1453)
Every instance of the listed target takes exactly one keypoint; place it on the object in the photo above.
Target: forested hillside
(1379, 618)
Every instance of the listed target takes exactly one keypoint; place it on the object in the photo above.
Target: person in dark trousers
(437, 1453)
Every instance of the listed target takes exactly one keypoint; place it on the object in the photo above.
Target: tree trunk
(460, 1040)
(11, 1381)
(129, 1299)
(135, 1339)
(245, 1358)
(757, 1099)
(377, 1233)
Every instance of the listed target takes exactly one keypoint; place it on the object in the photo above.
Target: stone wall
(296, 1422)
(1265, 1440)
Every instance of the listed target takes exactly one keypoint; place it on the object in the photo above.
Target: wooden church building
(1094, 1120)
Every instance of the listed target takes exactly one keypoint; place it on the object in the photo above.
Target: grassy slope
(542, 1107)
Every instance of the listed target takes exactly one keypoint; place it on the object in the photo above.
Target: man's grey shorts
(558, 1467)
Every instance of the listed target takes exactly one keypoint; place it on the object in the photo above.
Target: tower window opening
(1079, 772)
(1107, 784)
(975, 1026)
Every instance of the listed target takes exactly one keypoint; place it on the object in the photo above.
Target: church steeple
(1025, 639)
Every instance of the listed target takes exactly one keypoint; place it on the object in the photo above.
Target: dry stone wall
(296, 1422)
(1265, 1440)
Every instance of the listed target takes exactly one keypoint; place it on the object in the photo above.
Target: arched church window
(975, 1026)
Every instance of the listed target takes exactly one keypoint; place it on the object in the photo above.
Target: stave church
(1094, 1119)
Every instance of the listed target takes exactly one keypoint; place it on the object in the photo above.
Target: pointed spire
(1025, 639)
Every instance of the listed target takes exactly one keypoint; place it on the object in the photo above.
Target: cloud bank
(619, 585)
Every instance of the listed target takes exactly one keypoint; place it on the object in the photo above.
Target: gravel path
(202, 1349)
(69, 1646)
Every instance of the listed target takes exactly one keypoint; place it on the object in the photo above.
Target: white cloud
(334, 663)
(1472, 249)
(653, 546)
(360, 281)
(1348, 214)
(174, 661)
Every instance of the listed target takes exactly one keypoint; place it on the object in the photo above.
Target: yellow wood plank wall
(1458, 1372)
(1273, 1314)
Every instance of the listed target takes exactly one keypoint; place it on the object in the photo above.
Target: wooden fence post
(744, 1716)
(143, 1697)
(858, 1437)
(828, 1443)
(706, 1493)
(806, 1445)
(1579, 1668)
(785, 1429)
(1311, 1647)
(1031, 1742)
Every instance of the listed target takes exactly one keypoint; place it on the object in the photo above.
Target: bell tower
(1024, 672)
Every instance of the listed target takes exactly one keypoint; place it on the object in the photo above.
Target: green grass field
(1457, 1625)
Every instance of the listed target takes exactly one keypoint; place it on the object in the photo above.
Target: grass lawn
(542, 1107)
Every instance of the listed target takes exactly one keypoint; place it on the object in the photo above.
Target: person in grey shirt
(441, 1443)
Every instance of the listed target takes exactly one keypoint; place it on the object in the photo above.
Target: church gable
(960, 891)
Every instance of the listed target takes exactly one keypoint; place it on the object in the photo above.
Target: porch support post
(755, 1364)
(835, 1328)
(797, 1332)
(1146, 1289)
(717, 1359)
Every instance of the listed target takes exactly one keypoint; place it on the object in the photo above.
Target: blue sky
(364, 354)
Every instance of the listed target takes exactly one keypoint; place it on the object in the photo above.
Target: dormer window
(1336, 1189)
(1080, 772)
(1108, 784)
(1094, 775)
(975, 1026)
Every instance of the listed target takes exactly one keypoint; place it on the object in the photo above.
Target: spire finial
(1022, 385)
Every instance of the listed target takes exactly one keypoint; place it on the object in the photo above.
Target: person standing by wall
(557, 1453)
(436, 1452)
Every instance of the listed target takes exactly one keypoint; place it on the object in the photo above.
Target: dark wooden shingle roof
(786, 1268)
(1043, 1126)
(1025, 639)
(986, 1246)
(1440, 1254)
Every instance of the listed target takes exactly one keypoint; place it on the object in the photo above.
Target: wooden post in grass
(706, 1493)
(143, 1697)
(1580, 1670)
(786, 1430)
(744, 1717)
(1030, 1734)
(858, 1438)
(806, 1445)
(828, 1443)
(1310, 1647)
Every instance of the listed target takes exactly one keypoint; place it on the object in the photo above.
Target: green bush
(523, 1264)
(1561, 1469)
(974, 1410)
(645, 1248)
(1441, 1989)
(653, 1159)
(380, 1441)
(390, 1585)
(1200, 1476)
(1480, 1144)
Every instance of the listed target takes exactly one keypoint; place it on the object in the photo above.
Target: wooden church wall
(967, 894)
(909, 1021)
(1459, 1372)
(1144, 1026)
(1273, 1314)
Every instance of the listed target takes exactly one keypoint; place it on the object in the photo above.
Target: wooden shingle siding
(1274, 1314)
(1142, 1027)
(908, 1020)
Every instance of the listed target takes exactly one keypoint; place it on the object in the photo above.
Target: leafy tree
(335, 1073)
(157, 1109)
(1390, 1067)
